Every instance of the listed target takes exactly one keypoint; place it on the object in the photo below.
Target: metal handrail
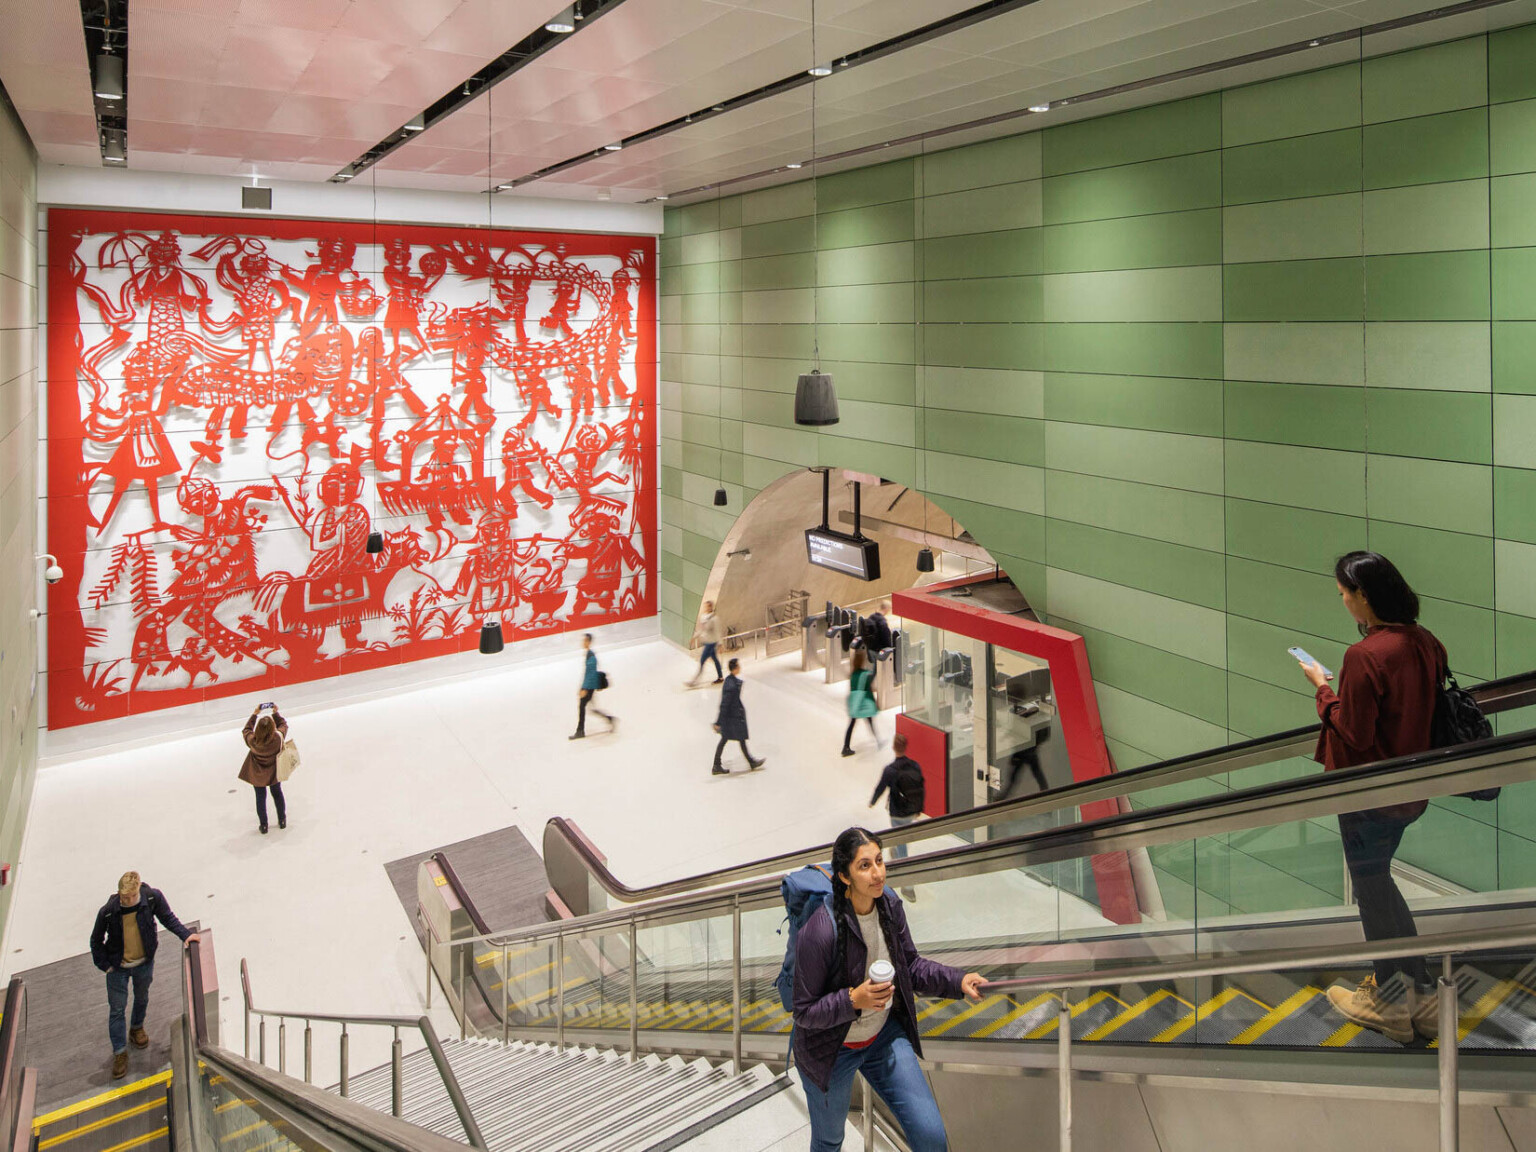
(18, 1084)
(1487, 763)
(421, 1023)
(1494, 696)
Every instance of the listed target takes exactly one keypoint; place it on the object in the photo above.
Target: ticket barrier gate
(888, 672)
(813, 643)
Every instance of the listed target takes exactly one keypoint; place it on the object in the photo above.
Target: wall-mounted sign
(846, 554)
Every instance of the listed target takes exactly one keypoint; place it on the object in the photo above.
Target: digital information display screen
(828, 549)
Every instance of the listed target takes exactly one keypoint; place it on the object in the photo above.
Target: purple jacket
(823, 1011)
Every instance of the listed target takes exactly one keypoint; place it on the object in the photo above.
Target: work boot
(119, 1065)
(139, 1037)
(1368, 1007)
(1424, 1010)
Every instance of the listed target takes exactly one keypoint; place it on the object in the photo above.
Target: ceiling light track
(971, 16)
(575, 17)
(1442, 13)
(105, 25)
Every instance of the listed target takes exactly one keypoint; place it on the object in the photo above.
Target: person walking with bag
(903, 780)
(731, 722)
(593, 681)
(861, 698)
(1384, 707)
(855, 975)
(708, 634)
(264, 734)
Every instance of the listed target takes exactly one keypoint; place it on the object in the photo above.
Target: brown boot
(1367, 1007)
(1424, 1010)
(119, 1065)
(139, 1037)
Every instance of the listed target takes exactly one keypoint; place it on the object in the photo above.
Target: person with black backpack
(1388, 687)
(903, 779)
(855, 974)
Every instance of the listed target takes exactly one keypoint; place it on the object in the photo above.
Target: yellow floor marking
(1016, 1014)
(1342, 1037)
(518, 1005)
(1215, 1004)
(99, 1099)
(1140, 1008)
(964, 1014)
(98, 1125)
(521, 976)
(1078, 1009)
(936, 1006)
(138, 1140)
(1288, 1007)
(249, 1128)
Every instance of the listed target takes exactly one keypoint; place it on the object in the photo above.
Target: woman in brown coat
(264, 734)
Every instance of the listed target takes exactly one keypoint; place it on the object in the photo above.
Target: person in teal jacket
(592, 682)
(861, 698)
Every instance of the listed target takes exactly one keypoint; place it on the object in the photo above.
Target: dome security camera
(53, 573)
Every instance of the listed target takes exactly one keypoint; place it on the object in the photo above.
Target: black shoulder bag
(1459, 720)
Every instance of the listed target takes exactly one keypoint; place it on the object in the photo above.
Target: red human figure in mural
(587, 447)
(518, 456)
(618, 329)
(441, 487)
(260, 297)
(606, 550)
(143, 453)
(489, 567)
(330, 280)
(407, 296)
(220, 563)
(567, 295)
(513, 288)
(472, 336)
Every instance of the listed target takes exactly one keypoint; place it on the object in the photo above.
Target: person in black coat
(731, 723)
(877, 637)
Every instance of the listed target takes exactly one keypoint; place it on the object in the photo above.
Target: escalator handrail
(1493, 762)
(1501, 695)
(1277, 959)
(13, 1047)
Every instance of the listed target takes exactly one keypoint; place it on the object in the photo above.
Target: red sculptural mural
(291, 449)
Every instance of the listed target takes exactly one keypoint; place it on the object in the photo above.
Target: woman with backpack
(264, 734)
(1384, 707)
(848, 1019)
(861, 698)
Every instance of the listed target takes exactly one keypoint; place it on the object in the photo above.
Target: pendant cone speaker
(720, 498)
(375, 543)
(490, 638)
(815, 399)
(925, 560)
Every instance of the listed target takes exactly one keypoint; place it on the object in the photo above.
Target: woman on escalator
(856, 971)
(1383, 707)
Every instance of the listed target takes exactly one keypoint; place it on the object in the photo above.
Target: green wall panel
(1166, 365)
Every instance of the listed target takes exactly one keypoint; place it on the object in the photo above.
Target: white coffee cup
(882, 972)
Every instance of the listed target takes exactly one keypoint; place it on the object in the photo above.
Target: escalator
(1261, 873)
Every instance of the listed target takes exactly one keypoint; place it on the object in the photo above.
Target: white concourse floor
(311, 908)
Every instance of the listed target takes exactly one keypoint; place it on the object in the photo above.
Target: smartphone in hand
(1305, 657)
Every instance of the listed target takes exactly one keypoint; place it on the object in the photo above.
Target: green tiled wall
(1166, 365)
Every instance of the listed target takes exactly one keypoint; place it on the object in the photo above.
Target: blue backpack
(804, 891)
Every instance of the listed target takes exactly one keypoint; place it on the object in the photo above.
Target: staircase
(536, 1098)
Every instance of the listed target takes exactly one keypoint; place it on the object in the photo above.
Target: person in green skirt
(861, 698)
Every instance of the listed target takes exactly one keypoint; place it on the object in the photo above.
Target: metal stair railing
(1446, 945)
(420, 1023)
(563, 842)
(18, 1084)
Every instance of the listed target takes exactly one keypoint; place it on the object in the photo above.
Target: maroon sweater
(1384, 705)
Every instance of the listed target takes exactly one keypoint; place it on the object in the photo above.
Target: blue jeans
(707, 655)
(899, 851)
(891, 1067)
(117, 1001)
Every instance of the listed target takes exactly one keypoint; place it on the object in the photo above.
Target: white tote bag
(287, 760)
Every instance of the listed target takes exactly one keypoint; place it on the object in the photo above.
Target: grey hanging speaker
(815, 399)
(720, 498)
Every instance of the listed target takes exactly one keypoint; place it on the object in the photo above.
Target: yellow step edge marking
(247, 1130)
(528, 975)
(964, 1014)
(936, 1006)
(518, 1005)
(485, 959)
(1140, 1008)
(139, 1140)
(1342, 1037)
(1485, 1005)
(1078, 1009)
(1212, 1006)
(98, 1125)
(99, 1099)
(1016, 1014)
(1287, 1007)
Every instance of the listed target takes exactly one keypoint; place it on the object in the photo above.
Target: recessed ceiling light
(792, 165)
(563, 21)
(614, 147)
(342, 177)
(416, 123)
(819, 70)
(844, 63)
(718, 108)
(1039, 107)
(662, 196)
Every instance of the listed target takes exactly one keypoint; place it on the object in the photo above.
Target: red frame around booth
(1077, 708)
